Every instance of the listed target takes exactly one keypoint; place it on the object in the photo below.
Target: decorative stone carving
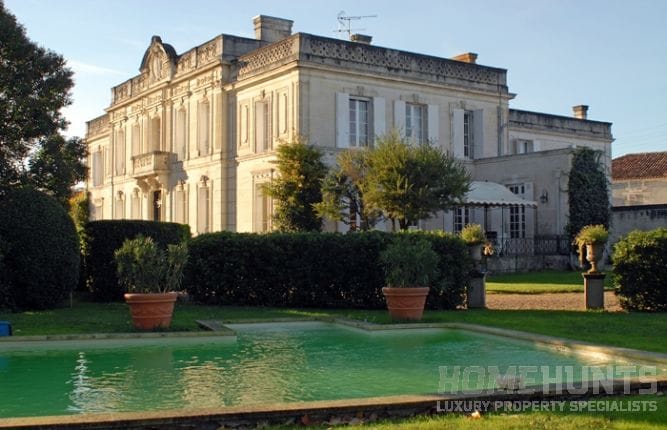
(267, 56)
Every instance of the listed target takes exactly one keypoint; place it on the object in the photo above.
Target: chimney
(361, 38)
(468, 57)
(580, 111)
(270, 29)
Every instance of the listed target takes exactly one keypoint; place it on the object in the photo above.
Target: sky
(608, 54)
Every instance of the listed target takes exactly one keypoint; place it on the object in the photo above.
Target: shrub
(326, 270)
(409, 261)
(104, 237)
(40, 248)
(472, 234)
(142, 267)
(640, 270)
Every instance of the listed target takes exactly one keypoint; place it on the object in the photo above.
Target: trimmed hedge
(640, 270)
(102, 238)
(323, 270)
(40, 247)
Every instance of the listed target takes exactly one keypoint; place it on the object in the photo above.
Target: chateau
(191, 138)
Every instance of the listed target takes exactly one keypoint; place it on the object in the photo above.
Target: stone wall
(627, 218)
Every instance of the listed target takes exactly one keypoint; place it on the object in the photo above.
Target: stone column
(594, 290)
(476, 290)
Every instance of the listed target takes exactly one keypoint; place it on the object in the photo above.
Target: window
(98, 168)
(243, 126)
(120, 152)
(136, 139)
(358, 123)
(180, 134)
(467, 135)
(119, 207)
(155, 138)
(461, 218)
(180, 205)
(523, 146)
(203, 208)
(415, 122)
(262, 126)
(136, 204)
(263, 210)
(203, 128)
(157, 205)
(517, 214)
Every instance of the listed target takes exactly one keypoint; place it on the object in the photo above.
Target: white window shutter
(536, 145)
(457, 132)
(379, 117)
(433, 124)
(342, 120)
(399, 116)
(478, 133)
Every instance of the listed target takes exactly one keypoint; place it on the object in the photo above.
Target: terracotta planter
(594, 255)
(150, 311)
(406, 303)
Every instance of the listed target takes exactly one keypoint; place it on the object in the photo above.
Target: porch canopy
(491, 194)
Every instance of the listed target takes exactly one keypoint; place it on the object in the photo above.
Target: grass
(549, 281)
(566, 420)
(632, 330)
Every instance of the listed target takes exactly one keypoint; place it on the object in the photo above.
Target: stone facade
(192, 137)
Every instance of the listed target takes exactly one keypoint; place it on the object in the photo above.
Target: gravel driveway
(556, 301)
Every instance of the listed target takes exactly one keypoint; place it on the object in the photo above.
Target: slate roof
(640, 166)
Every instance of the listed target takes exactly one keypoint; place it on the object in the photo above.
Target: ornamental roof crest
(159, 60)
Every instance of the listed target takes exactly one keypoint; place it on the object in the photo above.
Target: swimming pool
(263, 363)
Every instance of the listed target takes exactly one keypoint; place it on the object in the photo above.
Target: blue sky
(608, 54)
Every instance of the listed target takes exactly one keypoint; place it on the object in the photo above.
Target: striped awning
(487, 194)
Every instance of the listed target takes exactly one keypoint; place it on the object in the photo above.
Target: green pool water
(264, 363)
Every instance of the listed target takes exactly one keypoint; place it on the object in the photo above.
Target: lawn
(565, 420)
(549, 281)
(632, 330)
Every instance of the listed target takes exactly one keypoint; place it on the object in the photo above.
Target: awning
(488, 194)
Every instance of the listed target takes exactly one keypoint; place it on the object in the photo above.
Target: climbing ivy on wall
(588, 191)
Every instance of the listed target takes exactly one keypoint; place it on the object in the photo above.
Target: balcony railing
(150, 164)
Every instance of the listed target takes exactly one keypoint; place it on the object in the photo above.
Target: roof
(493, 194)
(640, 166)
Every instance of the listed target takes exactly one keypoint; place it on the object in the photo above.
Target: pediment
(159, 60)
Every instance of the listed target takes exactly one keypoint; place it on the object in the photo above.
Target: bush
(104, 237)
(324, 270)
(640, 270)
(40, 250)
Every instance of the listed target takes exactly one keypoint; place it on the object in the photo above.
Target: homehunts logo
(472, 406)
(573, 380)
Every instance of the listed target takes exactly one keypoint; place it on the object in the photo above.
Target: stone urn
(476, 252)
(594, 254)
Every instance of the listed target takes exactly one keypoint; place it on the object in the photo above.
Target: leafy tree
(298, 187)
(57, 165)
(588, 191)
(412, 182)
(343, 192)
(34, 86)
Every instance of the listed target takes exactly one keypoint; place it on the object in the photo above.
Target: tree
(34, 87)
(588, 191)
(343, 192)
(412, 182)
(298, 186)
(57, 165)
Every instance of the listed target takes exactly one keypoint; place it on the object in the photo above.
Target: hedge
(102, 238)
(40, 261)
(640, 270)
(323, 270)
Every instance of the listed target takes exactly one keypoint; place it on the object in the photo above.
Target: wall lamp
(544, 198)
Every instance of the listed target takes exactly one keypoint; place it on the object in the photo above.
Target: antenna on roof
(345, 23)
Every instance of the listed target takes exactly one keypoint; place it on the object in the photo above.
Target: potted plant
(151, 276)
(473, 236)
(410, 264)
(592, 239)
